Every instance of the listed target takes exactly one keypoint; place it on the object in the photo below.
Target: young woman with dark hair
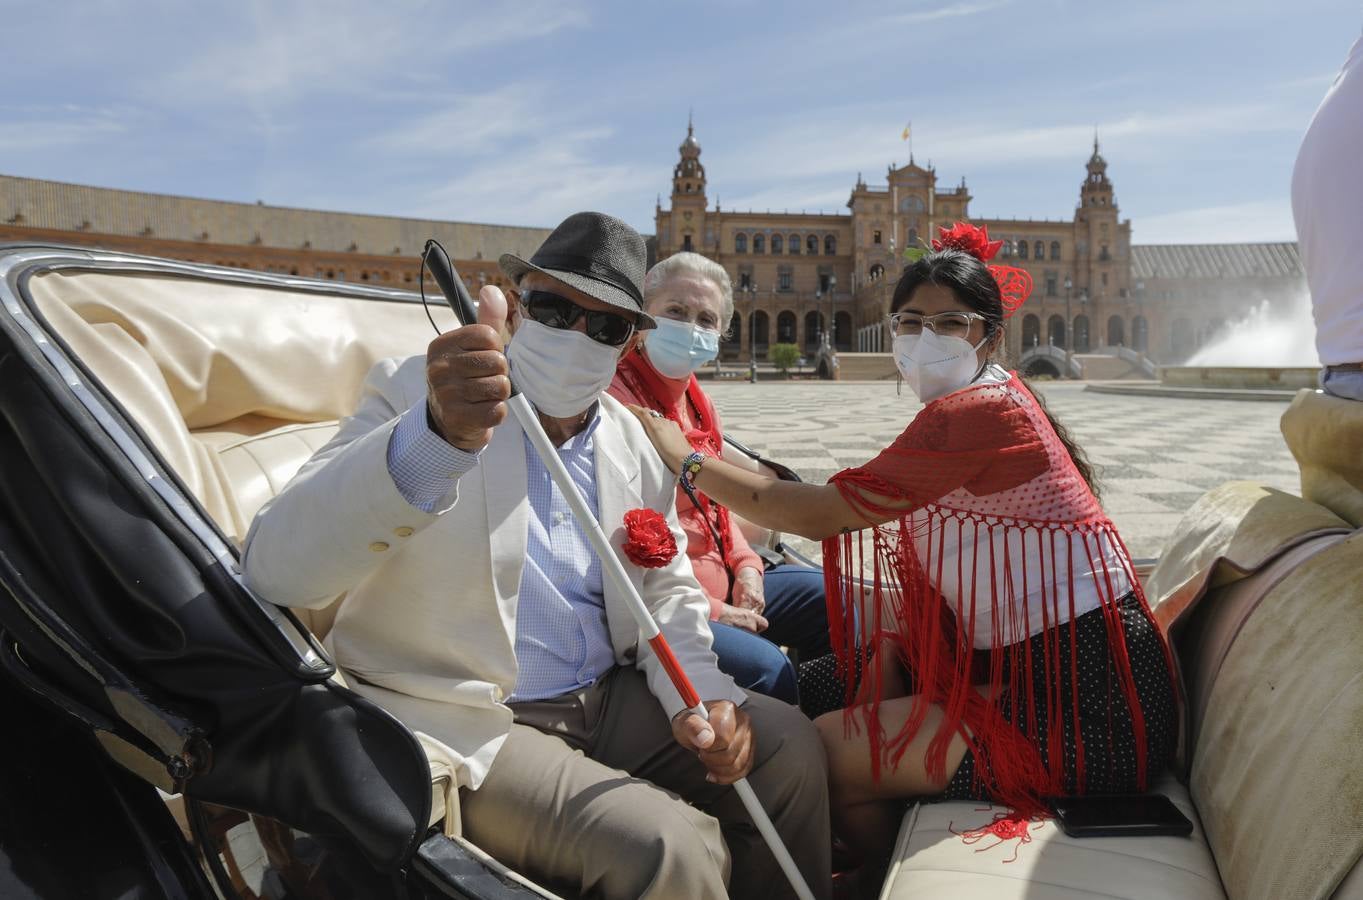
(1013, 654)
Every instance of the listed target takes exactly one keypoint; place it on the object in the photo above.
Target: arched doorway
(842, 331)
(1055, 332)
(785, 327)
(760, 325)
(1031, 331)
(1116, 332)
(731, 345)
(1081, 334)
(1140, 334)
(813, 330)
(1040, 366)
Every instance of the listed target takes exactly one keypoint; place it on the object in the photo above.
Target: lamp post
(832, 286)
(1069, 327)
(751, 291)
(1140, 314)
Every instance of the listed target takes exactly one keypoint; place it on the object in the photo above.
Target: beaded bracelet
(690, 468)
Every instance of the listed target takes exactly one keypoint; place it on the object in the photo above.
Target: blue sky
(523, 112)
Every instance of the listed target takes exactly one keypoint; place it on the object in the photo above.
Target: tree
(783, 356)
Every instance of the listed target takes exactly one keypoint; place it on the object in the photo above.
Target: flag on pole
(907, 131)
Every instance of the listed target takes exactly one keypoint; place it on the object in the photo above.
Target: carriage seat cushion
(258, 465)
(933, 860)
(1229, 533)
(1324, 434)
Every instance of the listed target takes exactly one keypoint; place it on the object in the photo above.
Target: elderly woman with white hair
(751, 611)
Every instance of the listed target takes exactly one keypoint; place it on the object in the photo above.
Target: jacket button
(404, 531)
(378, 546)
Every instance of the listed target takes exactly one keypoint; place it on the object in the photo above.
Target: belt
(1346, 367)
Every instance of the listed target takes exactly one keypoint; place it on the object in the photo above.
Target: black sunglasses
(559, 312)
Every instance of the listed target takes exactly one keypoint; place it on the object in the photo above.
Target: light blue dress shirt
(562, 638)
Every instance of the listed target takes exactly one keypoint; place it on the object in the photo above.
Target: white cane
(435, 258)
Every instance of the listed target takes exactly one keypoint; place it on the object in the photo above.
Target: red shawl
(991, 522)
(702, 432)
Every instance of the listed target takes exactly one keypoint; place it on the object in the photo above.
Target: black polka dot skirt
(1105, 721)
(822, 687)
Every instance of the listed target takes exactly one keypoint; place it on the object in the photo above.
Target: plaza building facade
(799, 278)
(804, 278)
(378, 250)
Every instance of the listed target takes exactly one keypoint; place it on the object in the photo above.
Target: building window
(913, 238)
(1103, 254)
(793, 243)
(1039, 252)
(1104, 279)
(740, 243)
(877, 272)
(812, 244)
(1055, 249)
(875, 236)
(777, 244)
(783, 279)
(1022, 249)
(686, 243)
(1007, 248)
(744, 280)
(824, 278)
(830, 245)
(1050, 284)
(759, 244)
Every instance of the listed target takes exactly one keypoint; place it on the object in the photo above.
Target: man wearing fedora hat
(476, 611)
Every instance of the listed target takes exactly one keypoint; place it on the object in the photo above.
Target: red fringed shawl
(991, 522)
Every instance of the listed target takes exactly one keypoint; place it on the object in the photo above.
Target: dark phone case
(1125, 815)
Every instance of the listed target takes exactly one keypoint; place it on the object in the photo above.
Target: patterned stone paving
(1154, 455)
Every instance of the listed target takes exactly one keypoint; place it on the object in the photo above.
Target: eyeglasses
(559, 312)
(947, 324)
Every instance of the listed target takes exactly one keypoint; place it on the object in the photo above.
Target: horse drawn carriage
(171, 734)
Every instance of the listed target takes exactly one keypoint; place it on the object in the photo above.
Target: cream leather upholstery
(1323, 433)
(236, 387)
(933, 862)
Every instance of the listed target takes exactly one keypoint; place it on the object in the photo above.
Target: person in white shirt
(1327, 204)
(477, 613)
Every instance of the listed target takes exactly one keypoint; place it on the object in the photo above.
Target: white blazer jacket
(428, 624)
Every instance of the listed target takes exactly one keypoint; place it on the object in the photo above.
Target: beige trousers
(591, 795)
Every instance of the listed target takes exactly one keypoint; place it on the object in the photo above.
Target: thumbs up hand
(467, 377)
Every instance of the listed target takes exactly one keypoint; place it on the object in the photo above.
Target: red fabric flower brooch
(1015, 285)
(967, 238)
(648, 541)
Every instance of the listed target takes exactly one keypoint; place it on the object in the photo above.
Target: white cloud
(468, 124)
(284, 51)
(541, 182)
(954, 11)
(37, 130)
(1257, 220)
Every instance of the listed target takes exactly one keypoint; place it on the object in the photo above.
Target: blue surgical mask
(677, 349)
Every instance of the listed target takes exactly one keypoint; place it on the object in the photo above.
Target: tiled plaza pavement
(1154, 455)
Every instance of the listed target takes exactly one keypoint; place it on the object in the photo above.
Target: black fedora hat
(599, 255)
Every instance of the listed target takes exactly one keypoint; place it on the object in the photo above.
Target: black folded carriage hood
(121, 604)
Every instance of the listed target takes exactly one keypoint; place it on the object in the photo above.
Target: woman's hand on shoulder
(665, 434)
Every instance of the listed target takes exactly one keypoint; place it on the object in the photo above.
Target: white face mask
(561, 372)
(934, 366)
(677, 349)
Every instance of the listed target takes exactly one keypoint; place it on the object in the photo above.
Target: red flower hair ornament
(1015, 285)
(648, 541)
